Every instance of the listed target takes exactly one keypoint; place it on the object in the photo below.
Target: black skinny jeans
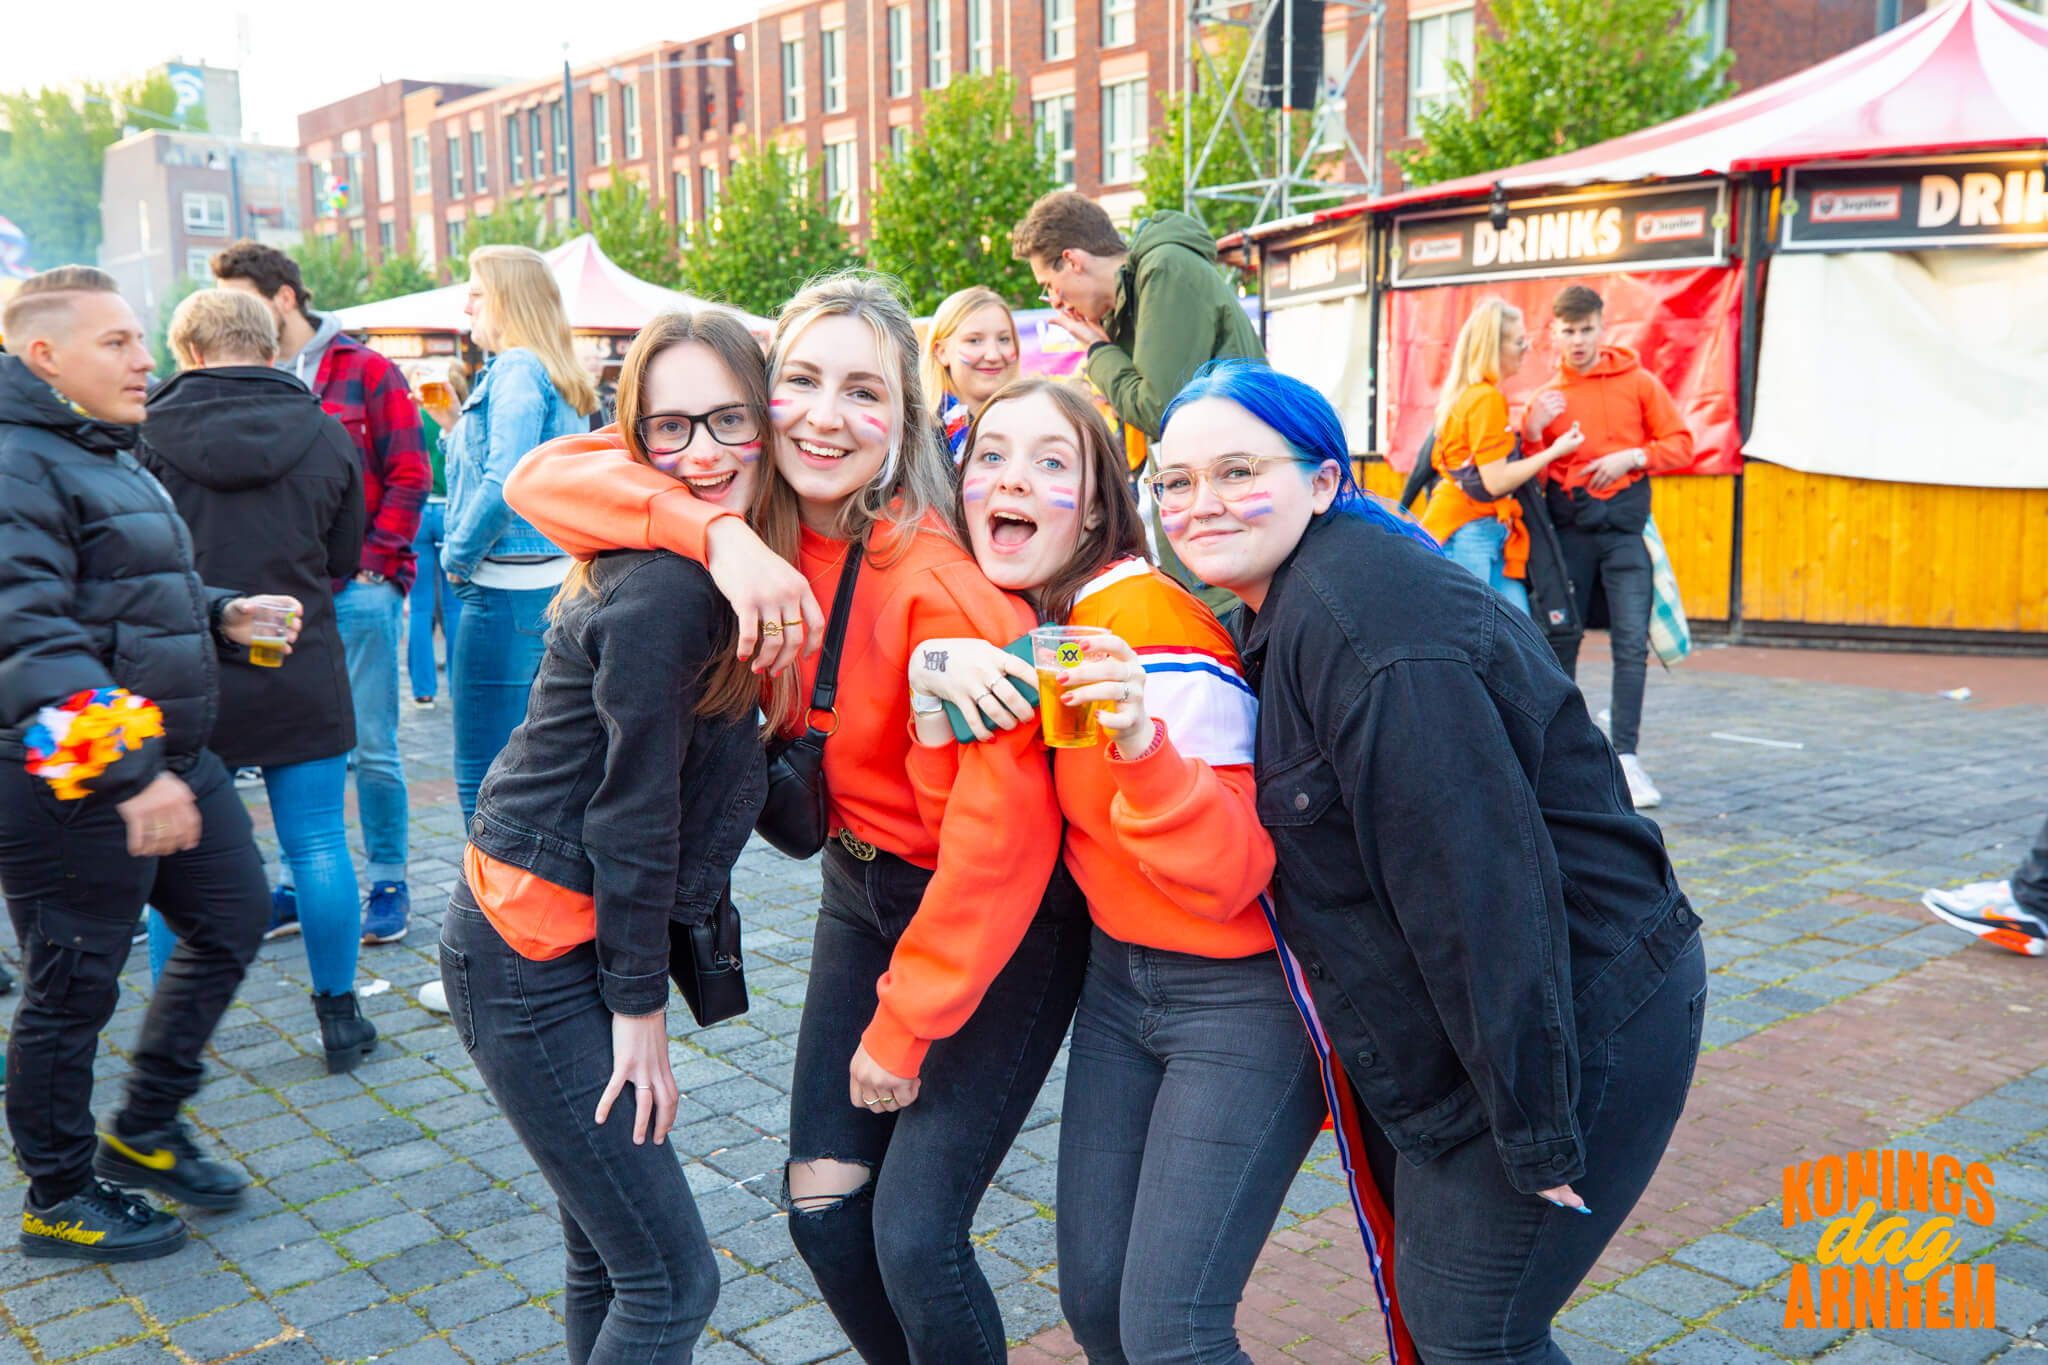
(642, 1279)
(75, 897)
(1618, 562)
(2030, 879)
(1481, 1268)
(892, 1259)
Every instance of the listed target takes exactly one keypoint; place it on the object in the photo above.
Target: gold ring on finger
(771, 627)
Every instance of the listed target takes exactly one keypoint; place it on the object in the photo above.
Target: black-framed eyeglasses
(1234, 477)
(665, 433)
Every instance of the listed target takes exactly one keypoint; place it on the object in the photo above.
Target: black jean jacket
(1474, 899)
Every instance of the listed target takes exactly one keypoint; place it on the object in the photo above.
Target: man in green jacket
(1151, 312)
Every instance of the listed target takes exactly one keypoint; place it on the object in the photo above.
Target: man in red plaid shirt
(369, 396)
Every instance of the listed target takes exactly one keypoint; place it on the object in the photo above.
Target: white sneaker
(434, 996)
(1988, 910)
(1641, 789)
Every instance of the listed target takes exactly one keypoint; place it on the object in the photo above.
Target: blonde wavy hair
(526, 309)
(1475, 356)
(951, 317)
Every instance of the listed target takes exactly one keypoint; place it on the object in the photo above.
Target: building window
(515, 155)
(206, 215)
(535, 144)
(832, 52)
(938, 43)
(559, 130)
(792, 80)
(1059, 30)
(479, 163)
(355, 240)
(1123, 131)
(387, 238)
(1433, 44)
(1330, 137)
(454, 166)
(629, 114)
(422, 167)
(710, 179)
(1119, 22)
(899, 51)
(601, 128)
(684, 224)
(899, 141)
(981, 37)
(454, 238)
(198, 263)
(1054, 120)
(385, 186)
(841, 186)
(1710, 21)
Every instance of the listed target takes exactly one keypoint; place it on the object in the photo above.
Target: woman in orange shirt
(618, 806)
(1471, 513)
(1192, 1092)
(943, 960)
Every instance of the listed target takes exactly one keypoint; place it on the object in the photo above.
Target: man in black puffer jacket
(108, 795)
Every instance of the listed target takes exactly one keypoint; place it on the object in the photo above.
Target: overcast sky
(298, 56)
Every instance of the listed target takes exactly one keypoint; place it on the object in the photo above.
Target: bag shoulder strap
(826, 689)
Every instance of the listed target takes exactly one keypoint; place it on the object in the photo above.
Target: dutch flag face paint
(1174, 523)
(975, 488)
(1062, 496)
(1254, 507)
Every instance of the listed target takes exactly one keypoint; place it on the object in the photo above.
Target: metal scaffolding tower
(1280, 186)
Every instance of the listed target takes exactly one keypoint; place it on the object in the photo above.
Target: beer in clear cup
(267, 644)
(1056, 650)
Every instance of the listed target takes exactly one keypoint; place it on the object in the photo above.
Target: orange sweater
(1001, 824)
(1619, 405)
(1168, 848)
(1476, 431)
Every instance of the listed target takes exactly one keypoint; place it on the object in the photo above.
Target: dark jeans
(642, 1278)
(499, 640)
(1481, 1268)
(893, 1260)
(2030, 882)
(1618, 562)
(1193, 1095)
(75, 897)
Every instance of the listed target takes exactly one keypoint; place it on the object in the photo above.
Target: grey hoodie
(306, 364)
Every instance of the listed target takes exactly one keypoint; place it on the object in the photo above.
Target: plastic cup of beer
(267, 642)
(1055, 650)
(435, 393)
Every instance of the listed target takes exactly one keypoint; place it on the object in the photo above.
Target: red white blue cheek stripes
(1062, 497)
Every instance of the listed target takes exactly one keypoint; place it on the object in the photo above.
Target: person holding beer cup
(1193, 1093)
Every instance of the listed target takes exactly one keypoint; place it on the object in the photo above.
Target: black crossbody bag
(705, 963)
(796, 816)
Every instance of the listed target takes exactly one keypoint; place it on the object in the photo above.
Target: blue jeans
(1480, 547)
(369, 614)
(499, 641)
(306, 810)
(1193, 1095)
(429, 590)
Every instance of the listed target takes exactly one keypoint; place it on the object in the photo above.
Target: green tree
(633, 231)
(335, 275)
(50, 159)
(397, 277)
(1551, 76)
(525, 221)
(772, 231)
(1163, 167)
(160, 335)
(944, 210)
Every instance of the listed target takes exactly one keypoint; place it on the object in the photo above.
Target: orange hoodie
(1000, 832)
(1167, 847)
(1619, 405)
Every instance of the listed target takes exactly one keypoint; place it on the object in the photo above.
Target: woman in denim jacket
(531, 390)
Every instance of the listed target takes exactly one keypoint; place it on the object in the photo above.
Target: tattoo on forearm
(935, 660)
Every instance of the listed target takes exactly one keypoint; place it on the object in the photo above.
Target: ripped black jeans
(893, 1260)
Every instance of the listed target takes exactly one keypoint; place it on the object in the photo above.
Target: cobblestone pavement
(394, 1216)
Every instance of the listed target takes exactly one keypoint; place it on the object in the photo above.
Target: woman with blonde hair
(530, 390)
(1471, 513)
(969, 353)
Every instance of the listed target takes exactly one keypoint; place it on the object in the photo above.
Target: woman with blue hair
(1486, 938)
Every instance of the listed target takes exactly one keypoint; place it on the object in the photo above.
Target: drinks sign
(1568, 234)
(1324, 265)
(1956, 201)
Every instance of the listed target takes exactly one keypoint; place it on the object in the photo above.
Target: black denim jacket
(1474, 900)
(614, 786)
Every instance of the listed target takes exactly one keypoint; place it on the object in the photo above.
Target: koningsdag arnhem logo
(1887, 1251)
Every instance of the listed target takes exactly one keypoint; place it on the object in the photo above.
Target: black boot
(99, 1223)
(168, 1161)
(347, 1036)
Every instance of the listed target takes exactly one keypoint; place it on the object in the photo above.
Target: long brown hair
(1119, 530)
(731, 687)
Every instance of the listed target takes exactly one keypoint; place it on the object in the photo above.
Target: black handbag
(705, 963)
(796, 816)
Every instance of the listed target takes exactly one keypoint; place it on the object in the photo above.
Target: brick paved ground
(394, 1216)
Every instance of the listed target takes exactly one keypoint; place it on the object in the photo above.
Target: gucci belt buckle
(857, 846)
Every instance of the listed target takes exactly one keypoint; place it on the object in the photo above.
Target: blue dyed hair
(1303, 419)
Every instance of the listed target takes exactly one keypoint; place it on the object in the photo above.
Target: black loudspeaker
(1307, 69)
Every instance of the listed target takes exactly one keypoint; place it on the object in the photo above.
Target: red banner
(1685, 324)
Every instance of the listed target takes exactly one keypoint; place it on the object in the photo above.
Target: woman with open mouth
(1192, 1091)
(1498, 951)
(943, 974)
(970, 352)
